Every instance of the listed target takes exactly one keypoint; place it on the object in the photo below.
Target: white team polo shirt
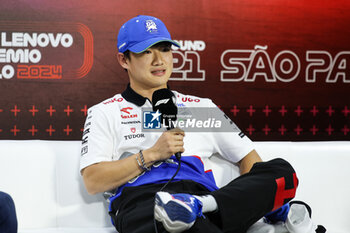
(113, 130)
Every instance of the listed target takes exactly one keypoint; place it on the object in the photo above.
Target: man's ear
(122, 60)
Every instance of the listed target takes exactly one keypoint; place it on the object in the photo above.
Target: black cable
(171, 179)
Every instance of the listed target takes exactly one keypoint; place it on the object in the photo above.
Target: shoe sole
(164, 203)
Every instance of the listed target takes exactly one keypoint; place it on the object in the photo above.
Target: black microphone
(164, 101)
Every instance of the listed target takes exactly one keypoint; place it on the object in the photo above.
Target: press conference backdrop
(279, 69)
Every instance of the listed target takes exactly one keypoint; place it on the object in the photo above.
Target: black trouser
(241, 203)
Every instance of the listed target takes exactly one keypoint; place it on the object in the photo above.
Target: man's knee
(280, 174)
(286, 182)
(283, 164)
(277, 167)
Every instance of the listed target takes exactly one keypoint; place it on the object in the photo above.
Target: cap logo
(151, 25)
(121, 46)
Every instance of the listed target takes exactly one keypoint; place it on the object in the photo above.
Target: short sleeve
(97, 140)
(231, 143)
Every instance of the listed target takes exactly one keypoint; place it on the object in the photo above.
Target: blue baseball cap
(142, 32)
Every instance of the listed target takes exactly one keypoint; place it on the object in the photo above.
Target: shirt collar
(130, 95)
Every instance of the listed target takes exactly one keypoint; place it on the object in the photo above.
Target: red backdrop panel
(279, 69)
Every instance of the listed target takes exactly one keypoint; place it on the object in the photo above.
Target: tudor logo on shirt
(133, 136)
(127, 113)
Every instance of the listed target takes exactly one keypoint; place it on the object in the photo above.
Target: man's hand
(169, 143)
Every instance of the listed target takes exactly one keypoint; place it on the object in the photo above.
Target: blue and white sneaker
(177, 212)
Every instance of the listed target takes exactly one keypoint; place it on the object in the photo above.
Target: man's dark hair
(127, 54)
(163, 43)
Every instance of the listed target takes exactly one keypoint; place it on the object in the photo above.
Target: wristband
(138, 162)
(142, 164)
